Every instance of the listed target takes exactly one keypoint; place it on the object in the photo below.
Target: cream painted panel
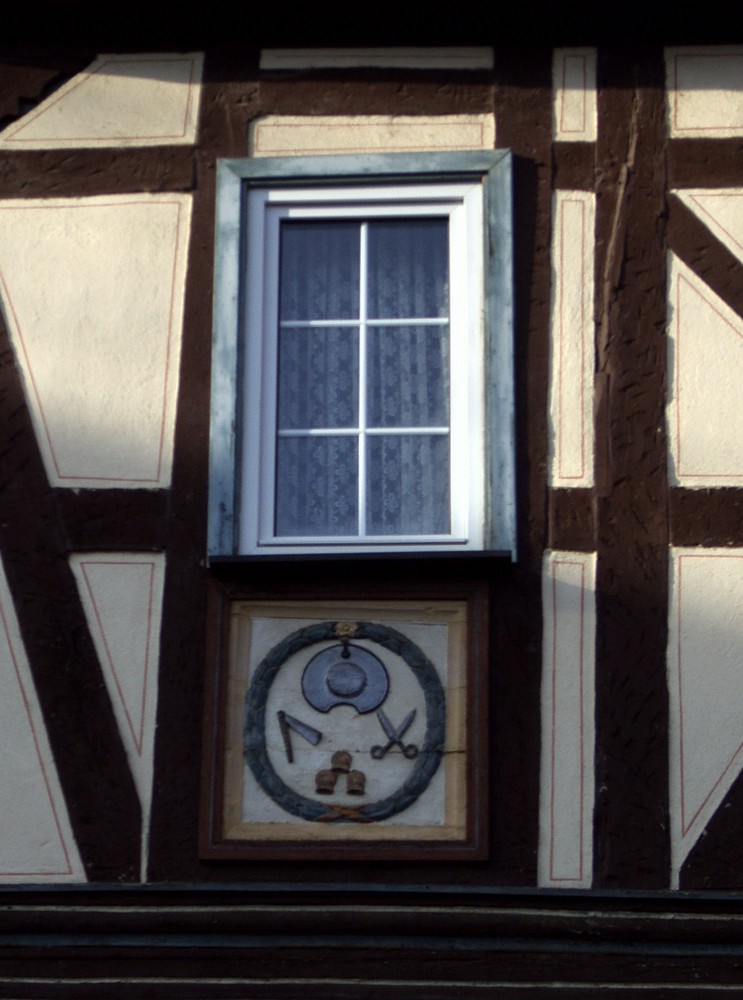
(721, 211)
(568, 731)
(458, 57)
(36, 840)
(92, 290)
(572, 335)
(122, 597)
(574, 116)
(705, 376)
(119, 100)
(705, 675)
(705, 91)
(290, 135)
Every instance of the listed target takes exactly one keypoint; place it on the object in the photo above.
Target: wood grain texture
(715, 860)
(710, 517)
(573, 166)
(114, 520)
(64, 173)
(631, 848)
(713, 163)
(572, 520)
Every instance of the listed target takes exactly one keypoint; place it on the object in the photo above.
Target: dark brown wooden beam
(706, 517)
(572, 522)
(574, 166)
(716, 161)
(631, 846)
(65, 172)
(114, 520)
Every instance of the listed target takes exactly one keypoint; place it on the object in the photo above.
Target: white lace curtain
(363, 412)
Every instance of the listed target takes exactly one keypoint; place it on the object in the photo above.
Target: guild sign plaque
(347, 725)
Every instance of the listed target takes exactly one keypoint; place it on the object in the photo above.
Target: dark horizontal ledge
(155, 916)
(379, 573)
(57, 173)
(352, 557)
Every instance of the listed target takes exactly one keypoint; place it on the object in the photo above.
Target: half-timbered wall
(615, 726)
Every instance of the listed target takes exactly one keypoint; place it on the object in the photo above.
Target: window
(362, 369)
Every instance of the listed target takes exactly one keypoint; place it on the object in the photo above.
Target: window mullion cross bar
(363, 253)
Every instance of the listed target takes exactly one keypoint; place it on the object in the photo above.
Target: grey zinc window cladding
(235, 179)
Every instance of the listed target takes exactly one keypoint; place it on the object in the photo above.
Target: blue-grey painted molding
(234, 179)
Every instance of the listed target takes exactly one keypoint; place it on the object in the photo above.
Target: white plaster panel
(121, 594)
(119, 100)
(290, 135)
(574, 117)
(92, 290)
(705, 91)
(36, 840)
(705, 675)
(705, 374)
(457, 57)
(568, 731)
(721, 211)
(572, 335)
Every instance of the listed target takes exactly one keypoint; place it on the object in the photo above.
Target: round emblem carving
(347, 674)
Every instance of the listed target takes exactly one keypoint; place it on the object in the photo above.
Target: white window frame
(473, 190)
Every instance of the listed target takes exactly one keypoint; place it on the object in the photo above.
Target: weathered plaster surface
(567, 777)
(574, 117)
(705, 91)
(120, 100)
(92, 290)
(121, 594)
(36, 841)
(458, 57)
(721, 211)
(572, 335)
(705, 384)
(289, 135)
(705, 674)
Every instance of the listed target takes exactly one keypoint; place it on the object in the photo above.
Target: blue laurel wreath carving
(427, 762)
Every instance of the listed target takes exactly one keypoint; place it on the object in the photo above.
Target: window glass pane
(318, 377)
(408, 268)
(408, 484)
(319, 270)
(316, 492)
(408, 376)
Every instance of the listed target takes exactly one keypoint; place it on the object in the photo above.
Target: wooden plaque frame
(250, 812)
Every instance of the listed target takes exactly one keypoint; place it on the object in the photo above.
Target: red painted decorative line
(33, 115)
(686, 826)
(561, 348)
(168, 348)
(136, 731)
(576, 57)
